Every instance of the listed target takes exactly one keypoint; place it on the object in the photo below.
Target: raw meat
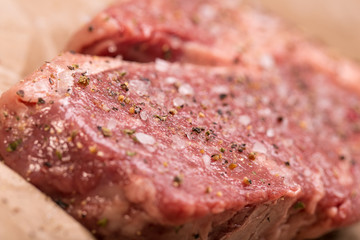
(202, 32)
(174, 151)
(264, 147)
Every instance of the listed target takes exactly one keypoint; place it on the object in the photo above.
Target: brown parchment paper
(34, 31)
(31, 32)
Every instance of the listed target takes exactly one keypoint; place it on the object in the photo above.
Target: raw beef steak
(174, 151)
(202, 32)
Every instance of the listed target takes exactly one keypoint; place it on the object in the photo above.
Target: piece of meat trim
(174, 151)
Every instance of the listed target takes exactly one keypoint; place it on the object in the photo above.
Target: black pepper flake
(41, 101)
(137, 110)
(342, 157)
(47, 164)
(287, 164)
(268, 219)
(215, 157)
(125, 86)
(70, 67)
(51, 81)
(161, 118)
(20, 93)
(61, 204)
(242, 148)
(177, 181)
(280, 119)
(196, 236)
(90, 28)
(222, 96)
(197, 129)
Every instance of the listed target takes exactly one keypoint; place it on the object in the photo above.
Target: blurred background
(334, 22)
(32, 32)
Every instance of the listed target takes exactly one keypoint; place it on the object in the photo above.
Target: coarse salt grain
(145, 139)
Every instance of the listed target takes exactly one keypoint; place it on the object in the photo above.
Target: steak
(178, 151)
(202, 32)
(252, 132)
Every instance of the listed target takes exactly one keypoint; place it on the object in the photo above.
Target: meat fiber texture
(265, 145)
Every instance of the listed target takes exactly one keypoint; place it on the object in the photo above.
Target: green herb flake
(106, 132)
(14, 145)
(122, 74)
(178, 228)
(58, 154)
(299, 205)
(129, 131)
(103, 222)
(130, 153)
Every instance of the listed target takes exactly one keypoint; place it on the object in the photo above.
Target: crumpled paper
(35, 31)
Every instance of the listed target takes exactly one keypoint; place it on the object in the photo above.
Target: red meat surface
(174, 151)
(246, 131)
